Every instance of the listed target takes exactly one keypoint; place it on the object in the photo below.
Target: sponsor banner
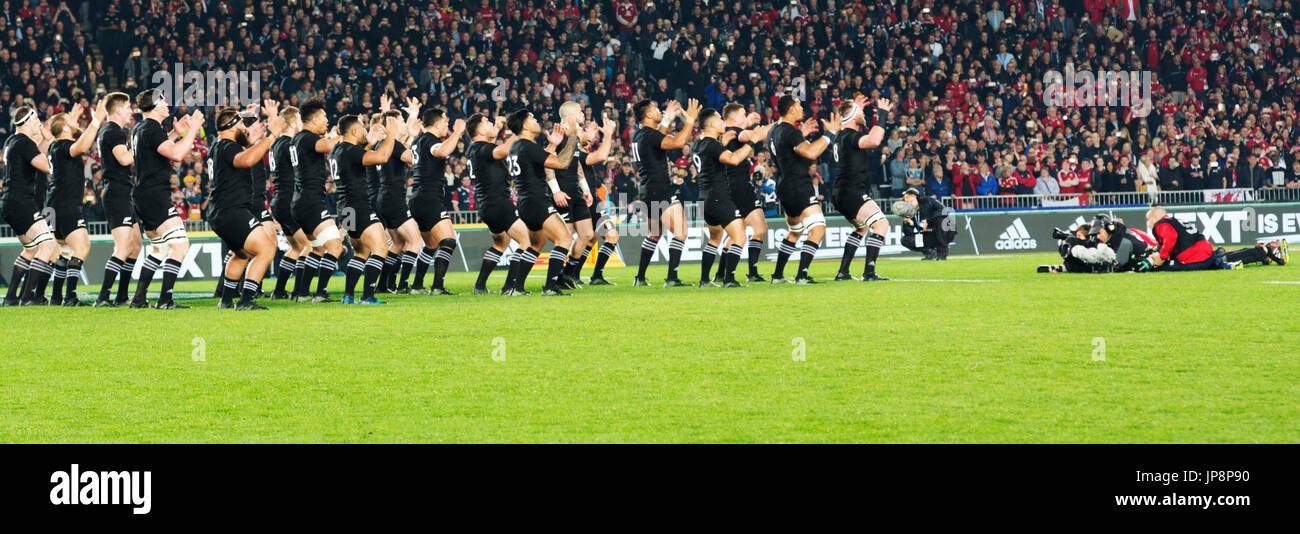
(976, 233)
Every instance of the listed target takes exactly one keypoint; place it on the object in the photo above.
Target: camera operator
(930, 216)
(913, 239)
(1131, 247)
(1080, 253)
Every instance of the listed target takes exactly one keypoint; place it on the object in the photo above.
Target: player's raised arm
(678, 142)
(382, 153)
(601, 154)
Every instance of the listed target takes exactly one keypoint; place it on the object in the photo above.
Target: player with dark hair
(23, 159)
(710, 158)
(67, 196)
(527, 164)
(237, 151)
(483, 163)
(347, 161)
(650, 146)
(429, 152)
(281, 168)
(392, 208)
(307, 154)
(742, 189)
(154, 151)
(794, 188)
(116, 158)
(854, 153)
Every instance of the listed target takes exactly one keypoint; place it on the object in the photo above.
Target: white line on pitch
(939, 280)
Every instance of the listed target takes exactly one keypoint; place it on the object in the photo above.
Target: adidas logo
(1078, 221)
(1016, 237)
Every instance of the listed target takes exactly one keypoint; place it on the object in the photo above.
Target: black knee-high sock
(602, 256)
(674, 256)
(306, 271)
(287, 268)
(874, 242)
(851, 245)
(408, 264)
(229, 288)
(355, 269)
(805, 259)
(422, 263)
(170, 269)
(328, 264)
(73, 277)
(388, 276)
(574, 268)
(443, 259)
(706, 262)
(555, 265)
(38, 272)
(782, 256)
(21, 265)
(374, 268)
(60, 276)
(151, 265)
(755, 247)
(491, 257)
(111, 269)
(124, 277)
(220, 284)
(730, 260)
(250, 291)
(719, 261)
(527, 259)
(647, 251)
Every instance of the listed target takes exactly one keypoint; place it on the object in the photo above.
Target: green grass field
(1188, 357)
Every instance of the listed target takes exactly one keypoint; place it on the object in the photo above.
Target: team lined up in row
(393, 235)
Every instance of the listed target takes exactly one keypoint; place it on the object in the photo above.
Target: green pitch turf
(1006, 356)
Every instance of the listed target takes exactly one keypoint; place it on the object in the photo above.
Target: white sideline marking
(939, 280)
(1281, 282)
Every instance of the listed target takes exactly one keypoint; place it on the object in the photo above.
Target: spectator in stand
(1067, 179)
(1026, 182)
(194, 198)
(897, 173)
(988, 183)
(1047, 185)
(915, 176)
(465, 195)
(1148, 175)
(937, 183)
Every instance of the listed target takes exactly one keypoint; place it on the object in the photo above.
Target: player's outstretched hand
(693, 108)
(385, 103)
(884, 104)
(101, 111)
(727, 137)
(561, 199)
(831, 125)
(271, 108)
(256, 132)
(556, 136)
(586, 196)
(808, 127)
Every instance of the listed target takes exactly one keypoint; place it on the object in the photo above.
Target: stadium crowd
(966, 77)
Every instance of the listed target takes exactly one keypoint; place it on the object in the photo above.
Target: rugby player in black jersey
(538, 196)
(483, 163)
(429, 153)
(67, 195)
(711, 159)
(281, 169)
(577, 211)
(602, 226)
(742, 187)
(650, 146)
(392, 206)
(115, 156)
(794, 188)
(853, 153)
(236, 152)
(307, 154)
(154, 152)
(348, 160)
(23, 158)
